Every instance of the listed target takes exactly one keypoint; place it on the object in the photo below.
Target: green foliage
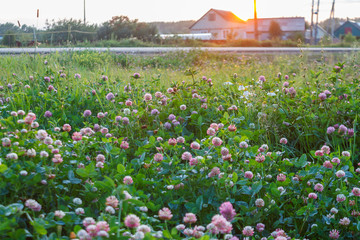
(6, 27)
(91, 59)
(9, 39)
(251, 118)
(297, 37)
(349, 38)
(121, 27)
(275, 31)
(325, 41)
(66, 31)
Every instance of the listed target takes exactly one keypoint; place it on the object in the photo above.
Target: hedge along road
(160, 50)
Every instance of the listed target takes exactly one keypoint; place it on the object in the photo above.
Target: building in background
(321, 33)
(290, 26)
(221, 24)
(225, 25)
(185, 36)
(348, 27)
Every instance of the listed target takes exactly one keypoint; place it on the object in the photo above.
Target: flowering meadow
(181, 146)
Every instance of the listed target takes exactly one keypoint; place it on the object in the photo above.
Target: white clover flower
(228, 236)
(228, 83)
(334, 210)
(246, 94)
(110, 209)
(139, 235)
(158, 234)
(77, 201)
(143, 209)
(127, 111)
(79, 211)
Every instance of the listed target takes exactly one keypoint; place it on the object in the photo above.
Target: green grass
(265, 114)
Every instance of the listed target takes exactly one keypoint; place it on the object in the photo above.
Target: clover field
(179, 146)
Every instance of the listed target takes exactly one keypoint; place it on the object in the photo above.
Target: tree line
(72, 31)
(66, 31)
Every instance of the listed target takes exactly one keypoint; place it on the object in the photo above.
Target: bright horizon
(165, 10)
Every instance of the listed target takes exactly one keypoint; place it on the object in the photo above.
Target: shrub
(9, 39)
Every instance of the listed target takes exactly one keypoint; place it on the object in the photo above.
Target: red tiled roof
(227, 15)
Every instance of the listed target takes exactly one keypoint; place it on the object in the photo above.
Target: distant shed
(348, 27)
(320, 34)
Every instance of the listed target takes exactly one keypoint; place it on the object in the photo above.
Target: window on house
(212, 17)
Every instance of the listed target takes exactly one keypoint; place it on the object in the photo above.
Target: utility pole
(317, 20)
(332, 20)
(312, 24)
(256, 34)
(84, 13)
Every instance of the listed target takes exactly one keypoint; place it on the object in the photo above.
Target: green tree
(297, 36)
(275, 30)
(349, 38)
(230, 36)
(8, 27)
(72, 30)
(104, 32)
(122, 27)
(145, 32)
(9, 39)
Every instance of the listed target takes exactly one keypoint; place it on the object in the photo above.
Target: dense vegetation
(121, 31)
(181, 146)
(71, 31)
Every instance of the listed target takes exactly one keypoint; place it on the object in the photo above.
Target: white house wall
(219, 28)
(222, 34)
(286, 24)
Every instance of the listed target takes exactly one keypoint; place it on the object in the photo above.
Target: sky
(99, 11)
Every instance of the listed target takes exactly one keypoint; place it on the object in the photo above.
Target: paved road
(159, 50)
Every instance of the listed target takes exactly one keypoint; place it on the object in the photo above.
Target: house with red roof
(225, 25)
(221, 24)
